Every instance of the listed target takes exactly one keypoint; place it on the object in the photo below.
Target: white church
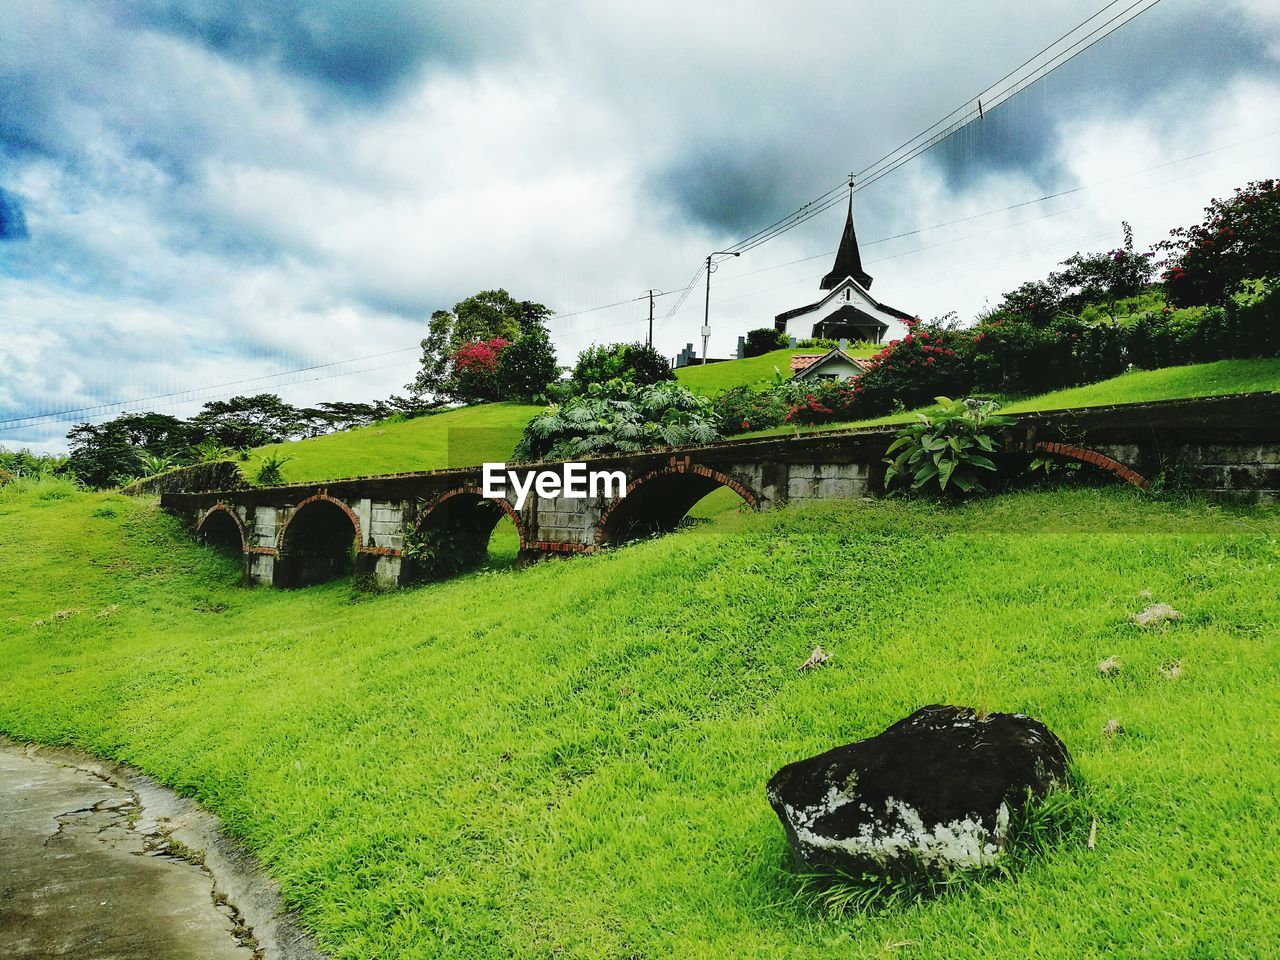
(847, 311)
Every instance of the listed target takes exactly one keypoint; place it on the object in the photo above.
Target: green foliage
(271, 470)
(948, 448)
(619, 417)
(486, 316)
(764, 340)
(1238, 241)
(908, 372)
(528, 366)
(453, 545)
(636, 363)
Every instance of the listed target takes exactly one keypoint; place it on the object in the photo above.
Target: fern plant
(948, 449)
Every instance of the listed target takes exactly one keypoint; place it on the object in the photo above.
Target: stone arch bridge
(298, 534)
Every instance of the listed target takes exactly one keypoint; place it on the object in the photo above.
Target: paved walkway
(84, 873)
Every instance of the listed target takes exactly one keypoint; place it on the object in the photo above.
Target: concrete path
(89, 868)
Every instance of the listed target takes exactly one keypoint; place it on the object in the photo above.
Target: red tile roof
(805, 360)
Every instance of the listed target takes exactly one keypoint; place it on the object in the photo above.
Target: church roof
(848, 259)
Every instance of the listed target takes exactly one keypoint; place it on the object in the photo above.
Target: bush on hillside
(619, 417)
(1238, 241)
(912, 371)
(764, 340)
(636, 363)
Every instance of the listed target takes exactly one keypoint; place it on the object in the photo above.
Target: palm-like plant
(620, 417)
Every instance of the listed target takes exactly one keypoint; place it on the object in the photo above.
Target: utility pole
(706, 310)
(649, 341)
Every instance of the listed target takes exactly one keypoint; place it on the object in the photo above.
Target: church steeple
(848, 259)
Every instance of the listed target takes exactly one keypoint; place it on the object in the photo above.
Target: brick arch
(351, 515)
(1084, 455)
(676, 467)
(221, 507)
(502, 502)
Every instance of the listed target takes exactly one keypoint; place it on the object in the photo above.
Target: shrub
(912, 371)
(619, 417)
(1238, 241)
(947, 449)
(271, 471)
(824, 401)
(764, 340)
(636, 363)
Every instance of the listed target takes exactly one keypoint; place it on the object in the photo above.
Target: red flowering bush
(475, 370)
(910, 372)
(1238, 240)
(824, 401)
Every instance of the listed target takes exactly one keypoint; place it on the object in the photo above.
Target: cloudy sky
(198, 195)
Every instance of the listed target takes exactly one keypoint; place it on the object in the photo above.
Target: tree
(633, 362)
(1102, 278)
(764, 340)
(1238, 241)
(248, 421)
(527, 367)
(486, 316)
(104, 454)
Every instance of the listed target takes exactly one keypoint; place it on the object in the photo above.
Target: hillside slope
(1137, 386)
(569, 760)
(461, 437)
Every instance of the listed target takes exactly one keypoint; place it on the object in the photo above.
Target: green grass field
(569, 760)
(462, 437)
(716, 378)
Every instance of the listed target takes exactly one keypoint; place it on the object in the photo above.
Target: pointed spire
(848, 259)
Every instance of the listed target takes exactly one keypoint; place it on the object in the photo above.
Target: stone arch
(657, 501)
(220, 527)
(470, 519)
(317, 543)
(1072, 452)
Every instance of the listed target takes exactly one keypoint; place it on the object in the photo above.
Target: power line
(187, 396)
(932, 135)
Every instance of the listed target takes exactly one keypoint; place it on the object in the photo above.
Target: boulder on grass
(933, 793)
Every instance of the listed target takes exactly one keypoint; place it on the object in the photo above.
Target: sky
(197, 196)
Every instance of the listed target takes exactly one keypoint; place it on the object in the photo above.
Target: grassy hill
(568, 761)
(460, 437)
(716, 378)
(1137, 386)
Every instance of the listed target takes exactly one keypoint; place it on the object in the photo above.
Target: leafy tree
(486, 316)
(618, 416)
(633, 362)
(247, 421)
(1102, 278)
(765, 340)
(1238, 241)
(107, 453)
(528, 366)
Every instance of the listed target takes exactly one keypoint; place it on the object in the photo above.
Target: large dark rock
(934, 792)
